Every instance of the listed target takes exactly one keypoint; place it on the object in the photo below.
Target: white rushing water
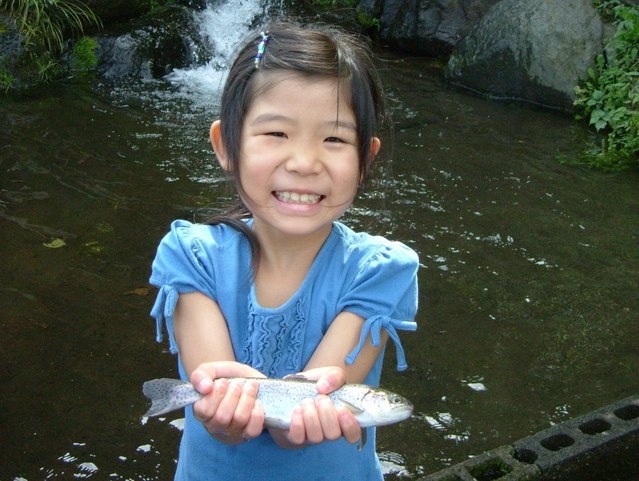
(223, 26)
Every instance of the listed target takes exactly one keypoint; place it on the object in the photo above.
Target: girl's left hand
(317, 420)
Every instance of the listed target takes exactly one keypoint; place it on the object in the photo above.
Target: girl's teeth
(298, 198)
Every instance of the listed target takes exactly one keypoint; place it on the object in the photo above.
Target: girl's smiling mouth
(297, 198)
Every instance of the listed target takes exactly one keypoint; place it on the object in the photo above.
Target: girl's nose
(304, 161)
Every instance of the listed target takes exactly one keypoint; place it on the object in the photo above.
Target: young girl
(280, 287)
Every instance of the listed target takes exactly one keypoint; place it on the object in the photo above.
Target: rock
(110, 11)
(121, 57)
(529, 50)
(11, 45)
(168, 41)
(113, 11)
(426, 27)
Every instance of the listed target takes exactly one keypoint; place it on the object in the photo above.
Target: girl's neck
(284, 264)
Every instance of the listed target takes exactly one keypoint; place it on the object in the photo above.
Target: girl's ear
(218, 145)
(375, 146)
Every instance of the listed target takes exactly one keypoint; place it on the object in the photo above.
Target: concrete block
(498, 464)
(602, 445)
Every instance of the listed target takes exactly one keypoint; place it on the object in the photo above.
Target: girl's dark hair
(313, 51)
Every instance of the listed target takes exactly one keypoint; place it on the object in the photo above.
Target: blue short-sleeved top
(355, 272)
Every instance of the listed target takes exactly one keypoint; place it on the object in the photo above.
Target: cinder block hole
(524, 455)
(631, 411)
(594, 426)
(489, 470)
(557, 442)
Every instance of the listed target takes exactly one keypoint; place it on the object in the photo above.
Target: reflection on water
(528, 282)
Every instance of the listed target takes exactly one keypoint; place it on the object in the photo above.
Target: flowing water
(530, 270)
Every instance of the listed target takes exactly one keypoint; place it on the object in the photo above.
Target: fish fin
(296, 377)
(352, 408)
(362, 440)
(276, 423)
(159, 387)
(158, 407)
(355, 410)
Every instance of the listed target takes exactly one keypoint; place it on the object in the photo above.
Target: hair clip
(261, 47)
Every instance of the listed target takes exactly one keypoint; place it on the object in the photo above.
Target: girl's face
(299, 166)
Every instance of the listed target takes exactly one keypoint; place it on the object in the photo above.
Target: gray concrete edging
(602, 445)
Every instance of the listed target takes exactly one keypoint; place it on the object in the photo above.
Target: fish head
(381, 407)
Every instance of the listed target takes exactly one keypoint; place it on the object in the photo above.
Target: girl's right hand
(229, 409)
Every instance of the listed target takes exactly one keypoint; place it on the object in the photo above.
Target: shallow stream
(529, 279)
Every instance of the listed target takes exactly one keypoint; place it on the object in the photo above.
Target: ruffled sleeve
(384, 293)
(182, 264)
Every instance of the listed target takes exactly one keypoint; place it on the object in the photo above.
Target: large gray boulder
(426, 27)
(530, 50)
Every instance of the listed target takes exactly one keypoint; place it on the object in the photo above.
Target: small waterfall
(188, 99)
(223, 25)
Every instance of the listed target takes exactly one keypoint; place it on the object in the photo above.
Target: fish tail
(159, 392)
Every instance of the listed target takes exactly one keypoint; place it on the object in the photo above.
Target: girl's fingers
(255, 426)
(227, 410)
(312, 423)
(328, 378)
(297, 432)
(208, 407)
(245, 403)
(202, 381)
(349, 427)
(229, 406)
(327, 415)
(231, 412)
(333, 378)
(317, 420)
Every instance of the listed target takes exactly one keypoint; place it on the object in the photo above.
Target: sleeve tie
(373, 326)
(162, 311)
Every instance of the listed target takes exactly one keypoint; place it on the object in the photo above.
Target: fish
(371, 406)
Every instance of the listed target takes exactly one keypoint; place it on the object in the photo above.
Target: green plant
(48, 66)
(361, 16)
(609, 98)
(45, 23)
(366, 20)
(83, 56)
(335, 3)
(154, 6)
(6, 79)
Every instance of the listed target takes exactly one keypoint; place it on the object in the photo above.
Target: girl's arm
(340, 339)
(317, 421)
(228, 410)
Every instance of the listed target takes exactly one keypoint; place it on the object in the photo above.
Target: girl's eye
(276, 134)
(334, 139)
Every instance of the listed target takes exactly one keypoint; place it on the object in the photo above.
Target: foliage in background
(6, 77)
(83, 58)
(340, 7)
(609, 98)
(45, 23)
(153, 6)
(44, 27)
